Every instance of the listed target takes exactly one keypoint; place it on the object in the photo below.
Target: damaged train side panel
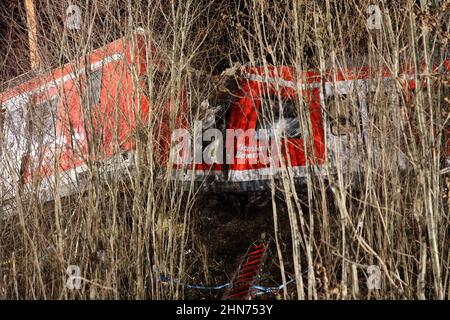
(318, 123)
(48, 121)
(322, 125)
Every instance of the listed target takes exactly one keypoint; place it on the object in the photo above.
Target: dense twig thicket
(124, 236)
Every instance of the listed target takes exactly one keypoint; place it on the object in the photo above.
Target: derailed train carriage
(275, 118)
(49, 122)
(278, 120)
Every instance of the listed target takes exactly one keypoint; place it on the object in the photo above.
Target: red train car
(275, 120)
(46, 122)
(313, 125)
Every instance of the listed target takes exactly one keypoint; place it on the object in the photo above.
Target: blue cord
(272, 289)
(262, 289)
(164, 278)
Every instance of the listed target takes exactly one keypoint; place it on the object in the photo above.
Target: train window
(95, 86)
(14, 125)
(382, 99)
(43, 122)
(285, 120)
(340, 111)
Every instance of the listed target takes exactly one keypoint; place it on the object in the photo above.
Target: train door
(287, 131)
(346, 124)
(297, 121)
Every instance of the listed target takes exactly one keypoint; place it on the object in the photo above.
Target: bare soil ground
(226, 227)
